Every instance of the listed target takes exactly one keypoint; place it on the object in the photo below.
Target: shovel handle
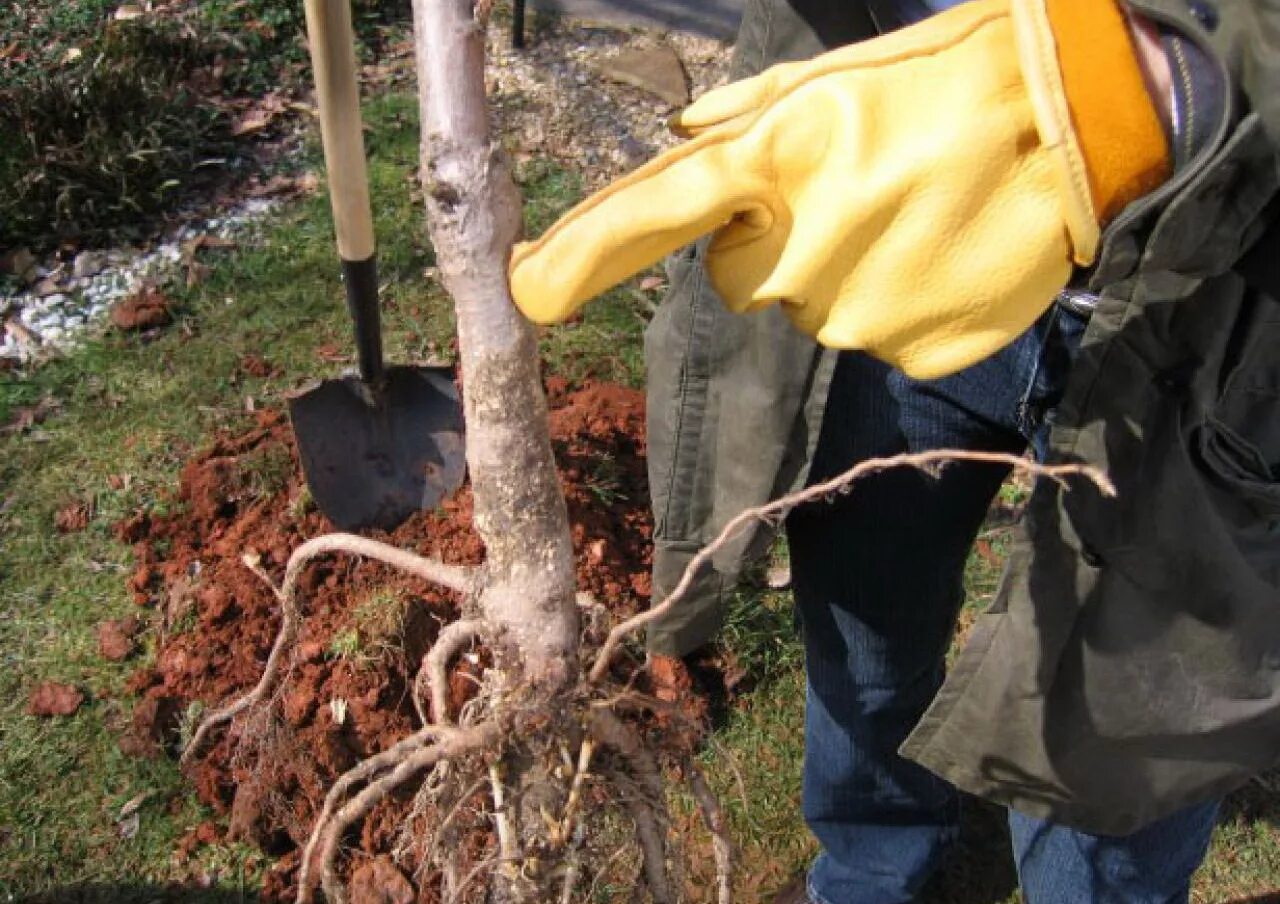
(333, 60)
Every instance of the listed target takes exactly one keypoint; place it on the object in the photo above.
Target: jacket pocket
(1239, 441)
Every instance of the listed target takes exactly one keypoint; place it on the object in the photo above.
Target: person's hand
(922, 196)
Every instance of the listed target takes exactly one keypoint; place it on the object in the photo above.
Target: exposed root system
(514, 795)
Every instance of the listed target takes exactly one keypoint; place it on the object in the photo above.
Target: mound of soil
(366, 627)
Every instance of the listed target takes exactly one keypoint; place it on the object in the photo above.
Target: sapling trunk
(528, 596)
(473, 215)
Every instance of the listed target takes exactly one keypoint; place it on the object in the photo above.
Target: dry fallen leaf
(18, 261)
(144, 309)
(254, 120)
(28, 416)
(197, 273)
(130, 819)
(286, 186)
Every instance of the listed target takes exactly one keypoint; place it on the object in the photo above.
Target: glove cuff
(1093, 110)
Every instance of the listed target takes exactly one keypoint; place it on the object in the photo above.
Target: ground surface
(713, 18)
(348, 692)
(143, 452)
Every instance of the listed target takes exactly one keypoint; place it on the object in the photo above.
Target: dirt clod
(257, 366)
(54, 699)
(379, 882)
(116, 638)
(154, 726)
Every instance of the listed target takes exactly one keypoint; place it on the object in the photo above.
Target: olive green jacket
(1130, 665)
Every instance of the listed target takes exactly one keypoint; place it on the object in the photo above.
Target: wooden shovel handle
(333, 58)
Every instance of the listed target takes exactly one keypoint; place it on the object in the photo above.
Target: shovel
(378, 447)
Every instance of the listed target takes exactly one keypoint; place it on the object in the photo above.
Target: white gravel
(549, 100)
(55, 321)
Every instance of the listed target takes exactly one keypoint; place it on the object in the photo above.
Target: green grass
(137, 409)
(129, 407)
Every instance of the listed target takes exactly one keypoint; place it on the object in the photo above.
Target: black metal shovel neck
(361, 279)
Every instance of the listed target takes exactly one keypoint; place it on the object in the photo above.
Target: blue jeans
(878, 580)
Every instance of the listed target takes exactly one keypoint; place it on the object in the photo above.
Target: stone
(88, 263)
(656, 70)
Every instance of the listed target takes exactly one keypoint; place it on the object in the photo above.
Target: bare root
(721, 844)
(360, 772)
(434, 675)
(772, 513)
(451, 743)
(454, 577)
(645, 808)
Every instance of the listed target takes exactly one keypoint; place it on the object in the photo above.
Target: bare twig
(470, 877)
(721, 844)
(434, 670)
(772, 512)
(451, 576)
(451, 743)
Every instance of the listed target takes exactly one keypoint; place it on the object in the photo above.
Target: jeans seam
(812, 893)
(756, 64)
(696, 276)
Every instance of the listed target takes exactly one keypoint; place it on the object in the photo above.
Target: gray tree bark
(474, 216)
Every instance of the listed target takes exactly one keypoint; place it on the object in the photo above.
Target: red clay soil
(215, 620)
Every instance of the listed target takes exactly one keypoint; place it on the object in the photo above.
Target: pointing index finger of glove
(720, 105)
(666, 204)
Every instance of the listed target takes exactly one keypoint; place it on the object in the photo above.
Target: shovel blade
(373, 459)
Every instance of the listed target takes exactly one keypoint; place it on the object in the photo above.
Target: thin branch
(772, 512)
(452, 743)
(454, 577)
(470, 877)
(721, 844)
(434, 670)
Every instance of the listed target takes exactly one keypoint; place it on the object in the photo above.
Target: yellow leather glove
(921, 196)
